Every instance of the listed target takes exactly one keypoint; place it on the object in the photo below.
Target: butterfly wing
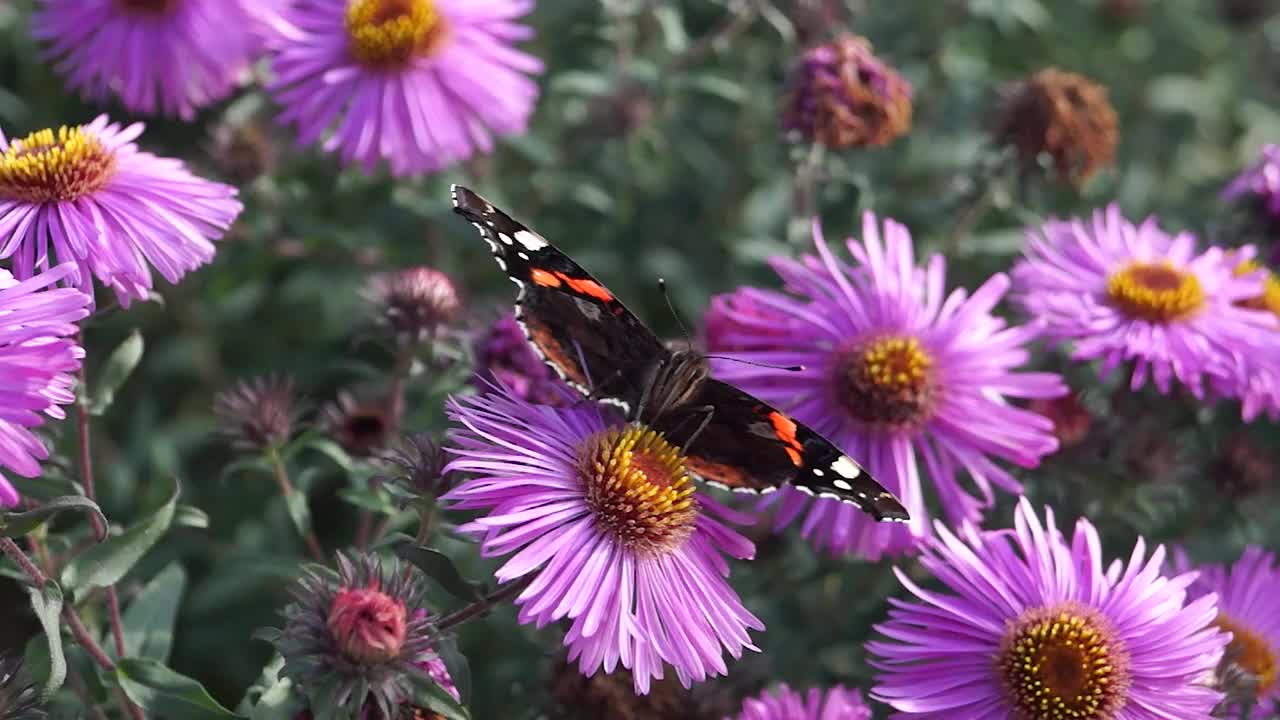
(592, 341)
(749, 446)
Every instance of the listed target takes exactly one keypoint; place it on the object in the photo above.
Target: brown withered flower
(241, 152)
(1243, 467)
(258, 414)
(363, 423)
(843, 96)
(610, 696)
(1071, 419)
(1063, 115)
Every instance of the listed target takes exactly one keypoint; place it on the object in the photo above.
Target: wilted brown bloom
(258, 414)
(1243, 468)
(362, 423)
(843, 96)
(414, 302)
(610, 696)
(1064, 115)
(242, 152)
(1071, 419)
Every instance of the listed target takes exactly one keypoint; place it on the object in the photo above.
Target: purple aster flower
(1032, 627)
(1133, 293)
(1260, 182)
(1248, 595)
(604, 520)
(171, 57)
(37, 357)
(897, 373)
(87, 194)
(421, 84)
(506, 359)
(836, 703)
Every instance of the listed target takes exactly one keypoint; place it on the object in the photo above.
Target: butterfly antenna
(662, 285)
(784, 368)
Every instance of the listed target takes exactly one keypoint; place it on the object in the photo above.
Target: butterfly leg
(708, 411)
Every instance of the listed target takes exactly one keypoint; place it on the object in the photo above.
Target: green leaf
(376, 501)
(119, 366)
(105, 563)
(272, 696)
(459, 669)
(440, 568)
(47, 604)
(298, 512)
(16, 524)
(428, 694)
(190, 516)
(326, 447)
(149, 619)
(165, 693)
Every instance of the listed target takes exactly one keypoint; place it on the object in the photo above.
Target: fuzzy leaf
(149, 619)
(165, 693)
(119, 366)
(47, 604)
(430, 695)
(440, 568)
(18, 524)
(105, 563)
(272, 696)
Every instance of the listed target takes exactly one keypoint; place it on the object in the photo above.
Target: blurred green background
(656, 151)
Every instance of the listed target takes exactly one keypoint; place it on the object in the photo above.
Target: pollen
(638, 488)
(1270, 298)
(888, 382)
(1252, 653)
(1063, 663)
(1155, 292)
(49, 166)
(387, 34)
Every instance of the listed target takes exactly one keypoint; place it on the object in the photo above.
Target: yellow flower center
(48, 167)
(1062, 663)
(1252, 654)
(1270, 298)
(1156, 292)
(637, 488)
(887, 382)
(148, 7)
(390, 33)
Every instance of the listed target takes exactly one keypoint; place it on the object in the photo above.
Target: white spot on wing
(842, 484)
(817, 472)
(846, 468)
(506, 239)
(530, 240)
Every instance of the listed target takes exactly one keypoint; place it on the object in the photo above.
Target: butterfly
(731, 439)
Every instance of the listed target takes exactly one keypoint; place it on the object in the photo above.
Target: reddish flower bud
(368, 626)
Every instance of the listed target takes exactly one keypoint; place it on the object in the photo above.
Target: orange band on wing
(588, 287)
(785, 428)
(544, 278)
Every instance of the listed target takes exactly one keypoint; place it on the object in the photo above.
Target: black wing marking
(749, 446)
(591, 340)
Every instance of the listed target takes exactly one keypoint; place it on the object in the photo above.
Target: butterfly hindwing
(749, 446)
(581, 330)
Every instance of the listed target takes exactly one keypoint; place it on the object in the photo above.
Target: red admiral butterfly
(731, 439)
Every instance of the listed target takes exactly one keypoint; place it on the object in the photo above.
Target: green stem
(281, 474)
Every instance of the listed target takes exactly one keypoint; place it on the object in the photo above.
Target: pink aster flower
(1126, 293)
(1031, 625)
(88, 195)
(170, 57)
(603, 519)
(1260, 182)
(836, 703)
(37, 357)
(1249, 608)
(899, 374)
(421, 84)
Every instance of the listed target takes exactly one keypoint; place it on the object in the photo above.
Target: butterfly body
(600, 348)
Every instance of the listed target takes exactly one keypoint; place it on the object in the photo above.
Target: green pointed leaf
(427, 694)
(105, 563)
(17, 524)
(119, 366)
(299, 513)
(440, 568)
(165, 693)
(368, 499)
(149, 619)
(456, 662)
(190, 516)
(47, 603)
(272, 696)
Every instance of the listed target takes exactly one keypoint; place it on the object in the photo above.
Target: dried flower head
(242, 151)
(362, 423)
(358, 638)
(611, 695)
(417, 465)
(1064, 115)
(19, 697)
(414, 302)
(843, 96)
(1071, 419)
(258, 414)
(1243, 467)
